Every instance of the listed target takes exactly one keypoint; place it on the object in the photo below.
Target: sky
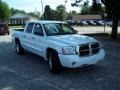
(32, 5)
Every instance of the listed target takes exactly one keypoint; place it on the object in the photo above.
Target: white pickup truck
(59, 44)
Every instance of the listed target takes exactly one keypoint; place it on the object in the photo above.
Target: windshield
(58, 29)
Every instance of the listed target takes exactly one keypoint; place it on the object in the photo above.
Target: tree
(54, 14)
(85, 8)
(48, 13)
(73, 12)
(58, 14)
(112, 9)
(4, 11)
(13, 11)
(34, 14)
(61, 13)
(96, 8)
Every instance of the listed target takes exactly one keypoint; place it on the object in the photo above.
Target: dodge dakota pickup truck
(59, 44)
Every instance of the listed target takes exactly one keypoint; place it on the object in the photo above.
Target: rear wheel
(54, 63)
(18, 47)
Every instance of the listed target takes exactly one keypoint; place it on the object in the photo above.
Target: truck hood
(72, 40)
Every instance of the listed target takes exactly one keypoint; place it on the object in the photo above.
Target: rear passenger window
(29, 28)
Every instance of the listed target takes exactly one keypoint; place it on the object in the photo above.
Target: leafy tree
(85, 8)
(73, 12)
(54, 14)
(58, 14)
(34, 14)
(13, 11)
(4, 11)
(93, 9)
(48, 13)
(70, 16)
(113, 9)
(99, 10)
(61, 13)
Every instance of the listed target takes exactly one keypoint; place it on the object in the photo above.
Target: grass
(13, 27)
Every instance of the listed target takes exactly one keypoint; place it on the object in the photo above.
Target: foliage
(70, 16)
(99, 10)
(4, 11)
(61, 13)
(93, 9)
(33, 14)
(48, 13)
(73, 12)
(13, 11)
(113, 11)
(85, 8)
(58, 14)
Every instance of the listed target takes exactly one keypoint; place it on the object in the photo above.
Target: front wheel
(54, 63)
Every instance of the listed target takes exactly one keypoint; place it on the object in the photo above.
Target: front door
(38, 40)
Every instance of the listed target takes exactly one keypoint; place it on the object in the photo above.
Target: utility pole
(65, 3)
(35, 11)
(42, 9)
(104, 21)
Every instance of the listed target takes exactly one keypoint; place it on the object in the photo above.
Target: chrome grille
(84, 50)
(95, 48)
(89, 49)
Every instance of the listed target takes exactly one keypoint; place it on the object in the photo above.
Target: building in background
(20, 18)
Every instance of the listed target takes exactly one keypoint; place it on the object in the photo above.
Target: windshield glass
(58, 29)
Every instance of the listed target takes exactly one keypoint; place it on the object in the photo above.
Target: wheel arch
(48, 50)
(17, 40)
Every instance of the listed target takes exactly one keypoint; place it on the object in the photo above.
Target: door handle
(24, 36)
(33, 37)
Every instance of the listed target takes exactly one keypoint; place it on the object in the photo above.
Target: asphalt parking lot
(30, 72)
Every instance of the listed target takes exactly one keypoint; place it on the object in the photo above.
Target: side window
(29, 28)
(38, 30)
(67, 29)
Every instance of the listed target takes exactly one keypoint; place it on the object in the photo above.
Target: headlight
(69, 50)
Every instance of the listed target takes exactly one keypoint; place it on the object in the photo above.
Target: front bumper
(74, 61)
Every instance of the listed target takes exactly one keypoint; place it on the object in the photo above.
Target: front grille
(88, 49)
(95, 48)
(84, 50)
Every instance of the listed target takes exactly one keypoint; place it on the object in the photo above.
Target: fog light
(73, 63)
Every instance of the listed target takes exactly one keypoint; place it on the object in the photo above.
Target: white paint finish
(67, 60)
(39, 44)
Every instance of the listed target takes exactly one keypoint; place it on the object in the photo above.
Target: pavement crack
(48, 84)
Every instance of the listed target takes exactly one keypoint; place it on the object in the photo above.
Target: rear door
(27, 40)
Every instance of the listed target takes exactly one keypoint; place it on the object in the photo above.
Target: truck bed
(19, 29)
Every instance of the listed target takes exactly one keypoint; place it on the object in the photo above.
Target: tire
(18, 47)
(54, 63)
